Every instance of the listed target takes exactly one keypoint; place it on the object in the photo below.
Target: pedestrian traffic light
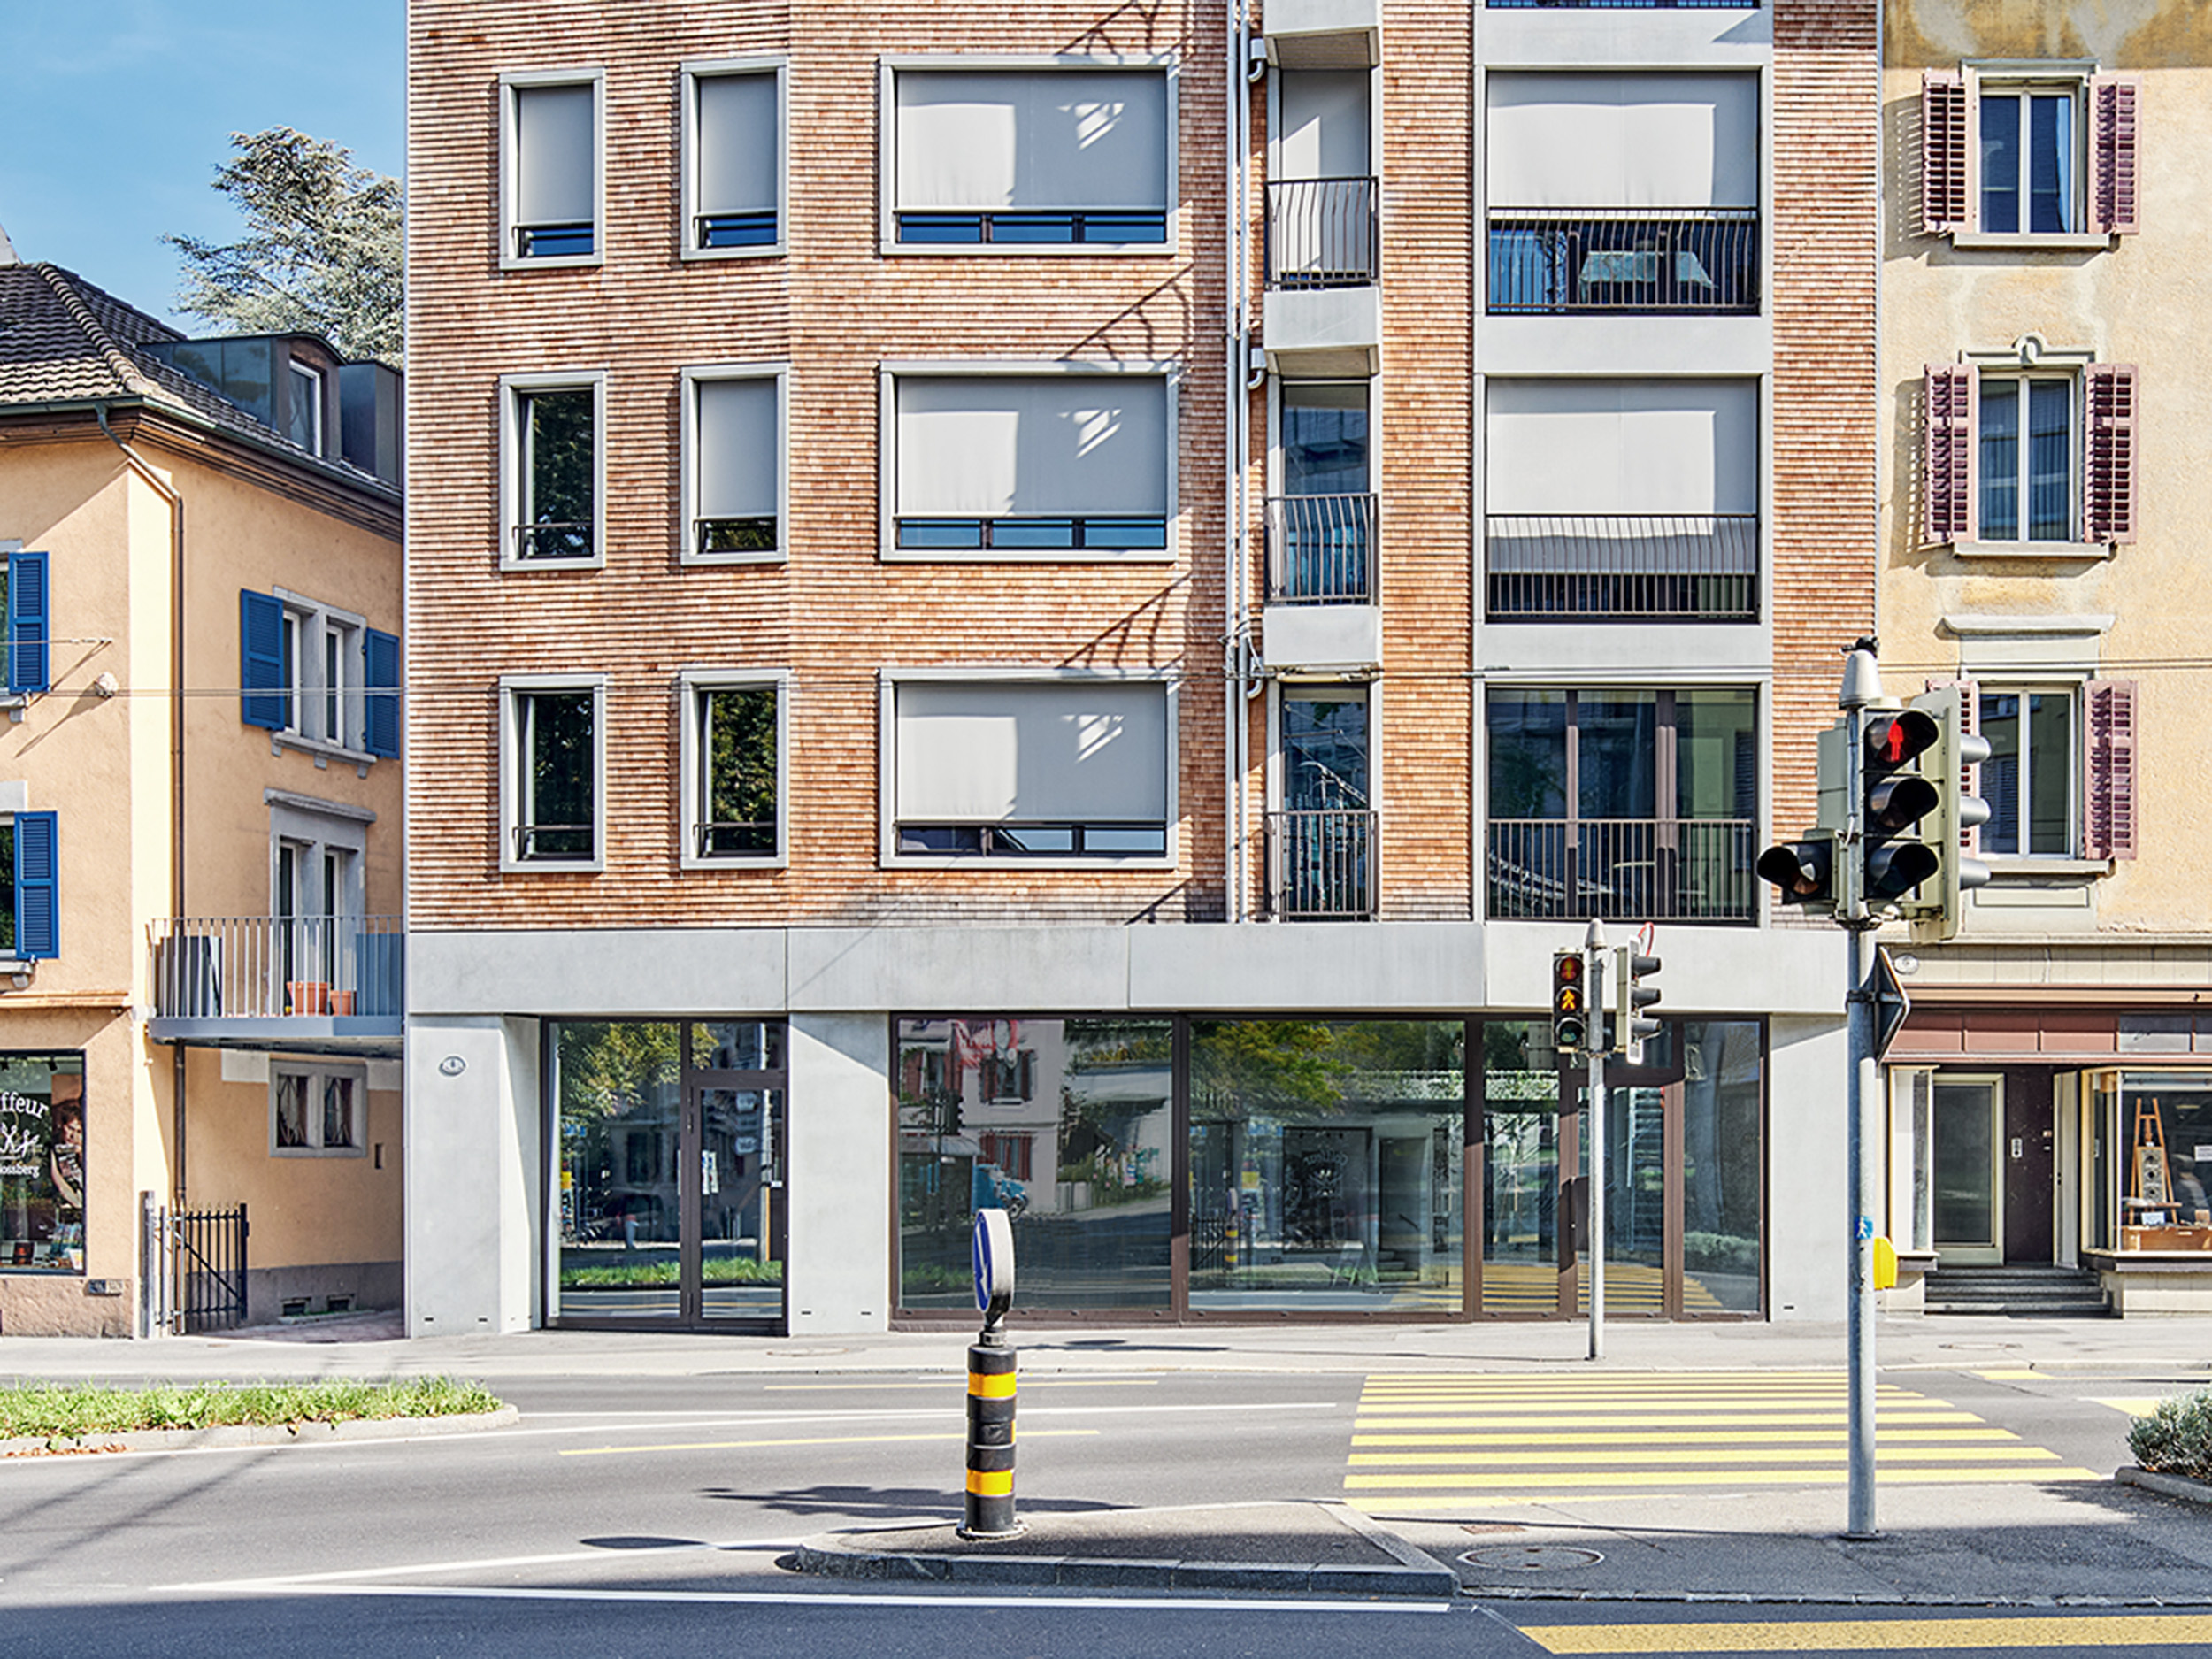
(1569, 1002)
(1940, 907)
(1630, 1027)
(1901, 825)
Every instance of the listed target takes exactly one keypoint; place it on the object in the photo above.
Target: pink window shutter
(2109, 769)
(2109, 457)
(1969, 776)
(1944, 205)
(2116, 176)
(1947, 452)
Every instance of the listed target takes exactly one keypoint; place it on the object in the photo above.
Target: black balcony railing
(1649, 870)
(1320, 550)
(1563, 567)
(1322, 234)
(1321, 865)
(1567, 260)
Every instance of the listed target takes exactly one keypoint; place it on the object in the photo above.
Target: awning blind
(737, 449)
(737, 143)
(1065, 751)
(1635, 447)
(1045, 138)
(1567, 141)
(554, 167)
(1074, 444)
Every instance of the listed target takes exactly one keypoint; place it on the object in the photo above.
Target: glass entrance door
(1968, 1191)
(741, 1212)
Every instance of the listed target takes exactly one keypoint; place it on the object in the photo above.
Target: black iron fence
(208, 1247)
(1653, 870)
(1563, 567)
(1651, 259)
(1321, 865)
(1320, 550)
(1322, 234)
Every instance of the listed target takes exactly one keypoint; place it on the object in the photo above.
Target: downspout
(139, 465)
(1246, 70)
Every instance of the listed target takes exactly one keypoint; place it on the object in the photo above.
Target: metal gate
(208, 1249)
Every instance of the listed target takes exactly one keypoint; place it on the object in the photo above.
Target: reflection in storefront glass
(1325, 1164)
(1521, 1194)
(1722, 1159)
(617, 1090)
(42, 1163)
(1065, 1123)
(2164, 1136)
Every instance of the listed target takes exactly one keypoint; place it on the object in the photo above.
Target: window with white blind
(733, 464)
(2027, 152)
(552, 184)
(2029, 449)
(1072, 767)
(732, 169)
(1029, 158)
(1029, 464)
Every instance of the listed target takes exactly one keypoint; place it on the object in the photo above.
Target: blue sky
(118, 111)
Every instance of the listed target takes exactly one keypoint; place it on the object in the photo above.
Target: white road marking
(482, 1564)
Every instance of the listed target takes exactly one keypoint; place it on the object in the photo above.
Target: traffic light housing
(1937, 913)
(1810, 874)
(1631, 1027)
(1569, 1002)
(1900, 802)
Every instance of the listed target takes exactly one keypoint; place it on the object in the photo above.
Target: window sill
(2026, 872)
(551, 262)
(318, 1152)
(597, 561)
(893, 248)
(1012, 866)
(2036, 552)
(2069, 242)
(754, 555)
(359, 759)
(552, 867)
(892, 554)
(760, 250)
(737, 861)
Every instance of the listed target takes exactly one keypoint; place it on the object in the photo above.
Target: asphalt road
(622, 1513)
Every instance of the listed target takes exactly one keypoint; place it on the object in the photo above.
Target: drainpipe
(1244, 72)
(140, 465)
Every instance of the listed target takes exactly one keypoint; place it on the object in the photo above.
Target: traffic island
(1282, 1548)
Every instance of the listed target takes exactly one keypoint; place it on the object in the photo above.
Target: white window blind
(1323, 120)
(737, 143)
(1566, 141)
(983, 446)
(737, 449)
(1046, 138)
(554, 163)
(1071, 751)
(1628, 447)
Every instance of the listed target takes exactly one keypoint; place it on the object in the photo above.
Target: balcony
(1658, 261)
(1638, 870)
(1321, 865)
(1321, 314)
(1321, 611)
(1577, 567)
(309, 984)
(1324, 34)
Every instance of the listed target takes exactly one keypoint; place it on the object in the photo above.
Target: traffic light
(1902, 806)
(1808, 874)
(1630, 1027)
(1569, 1002)
(1937, 913)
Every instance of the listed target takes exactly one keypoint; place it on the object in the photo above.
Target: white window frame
(2006, 77)
(888, 375)
(321, 828)
(1167, 63)
(691, 71)
(889, 679)
(510, 157)
(2029, 358)
(512, 688)
(15, 796)
(311, 624)
(691, 762)
(514, 448)
(687, 515)
(314, 1074)
(304, 377)
(2024, 685)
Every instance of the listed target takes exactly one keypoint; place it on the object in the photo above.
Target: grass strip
(59, 1412)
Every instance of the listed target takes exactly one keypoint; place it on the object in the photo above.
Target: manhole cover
(1531, 1557)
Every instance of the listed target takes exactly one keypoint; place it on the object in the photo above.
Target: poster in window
(41, 1164)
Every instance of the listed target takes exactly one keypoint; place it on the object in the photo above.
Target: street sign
(1890, 1004)
(994, 1260)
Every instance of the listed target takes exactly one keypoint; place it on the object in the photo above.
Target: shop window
(317, 1111)
(42, 1163)
(2159, 1126)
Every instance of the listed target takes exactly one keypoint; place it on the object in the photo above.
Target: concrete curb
(2169, 1485)
(1091, 1572)
(233, 1436)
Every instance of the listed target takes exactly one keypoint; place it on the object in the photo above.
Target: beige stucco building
(2044, 289)
(199, 799)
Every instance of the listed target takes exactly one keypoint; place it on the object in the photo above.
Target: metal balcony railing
(1645, 870)
(1322, 234)
(1320, 550)
(276, 967)
(1321, 865)
(1564, 260)
(1566, 567)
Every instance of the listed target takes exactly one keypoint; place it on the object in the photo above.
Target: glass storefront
(2150, 1163)
(42, 1163)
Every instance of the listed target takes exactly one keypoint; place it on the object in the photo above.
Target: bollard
(989, 1509)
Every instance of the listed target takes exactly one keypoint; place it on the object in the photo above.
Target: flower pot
(342, 1003)
(308, 996)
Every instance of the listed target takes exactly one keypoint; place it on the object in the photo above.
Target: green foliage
(324, 251)
(1719, 1253)
(741, 775)
(2176, 1438)
(610, 1070)
(716, 1269)
(49, 1411)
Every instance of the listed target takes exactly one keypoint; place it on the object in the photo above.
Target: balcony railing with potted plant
(1320, 550)
(1321, 865)
(1322, 234)
(235, 968)
(1576, 567)
(1651, 869)
(1648, 260)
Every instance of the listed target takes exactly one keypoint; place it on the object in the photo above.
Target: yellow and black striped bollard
(989, 1509)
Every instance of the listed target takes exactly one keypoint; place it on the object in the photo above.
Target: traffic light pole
(1859, 690)
(1593, 976)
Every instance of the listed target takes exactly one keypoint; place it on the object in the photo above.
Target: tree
(324, 251)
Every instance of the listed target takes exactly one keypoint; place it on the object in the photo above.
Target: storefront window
(618, 1096)
(1067, 1125)
(42, 1163)
(1722, 1159)
(1325, 1164)
(2162, 1132)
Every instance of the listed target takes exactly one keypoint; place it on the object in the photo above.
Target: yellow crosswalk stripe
(1425, 1441)
(1880, 1635)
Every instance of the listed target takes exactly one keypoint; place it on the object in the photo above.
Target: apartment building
(2051, 1096)
(200, 1006)
(1060, 606)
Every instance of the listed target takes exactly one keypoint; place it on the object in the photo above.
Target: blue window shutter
(26, 622)
(261, 660)
(37, 917)
(381, 680)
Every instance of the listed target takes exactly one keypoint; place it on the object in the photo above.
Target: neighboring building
(2043, 289)
(966, 643)
(199, 804)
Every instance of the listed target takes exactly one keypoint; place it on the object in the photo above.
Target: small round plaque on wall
(452, 1066)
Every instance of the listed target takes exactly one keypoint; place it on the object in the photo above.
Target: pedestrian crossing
(1532, 1287)
(1424, 1442)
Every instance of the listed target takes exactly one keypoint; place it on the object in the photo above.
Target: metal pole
(1861, 686)
(1593, 1005)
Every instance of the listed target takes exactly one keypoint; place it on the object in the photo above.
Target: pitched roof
(64, 341)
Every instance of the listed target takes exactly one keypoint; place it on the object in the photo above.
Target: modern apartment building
(2042, 284)
(1061, 604)
(200, 1001)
